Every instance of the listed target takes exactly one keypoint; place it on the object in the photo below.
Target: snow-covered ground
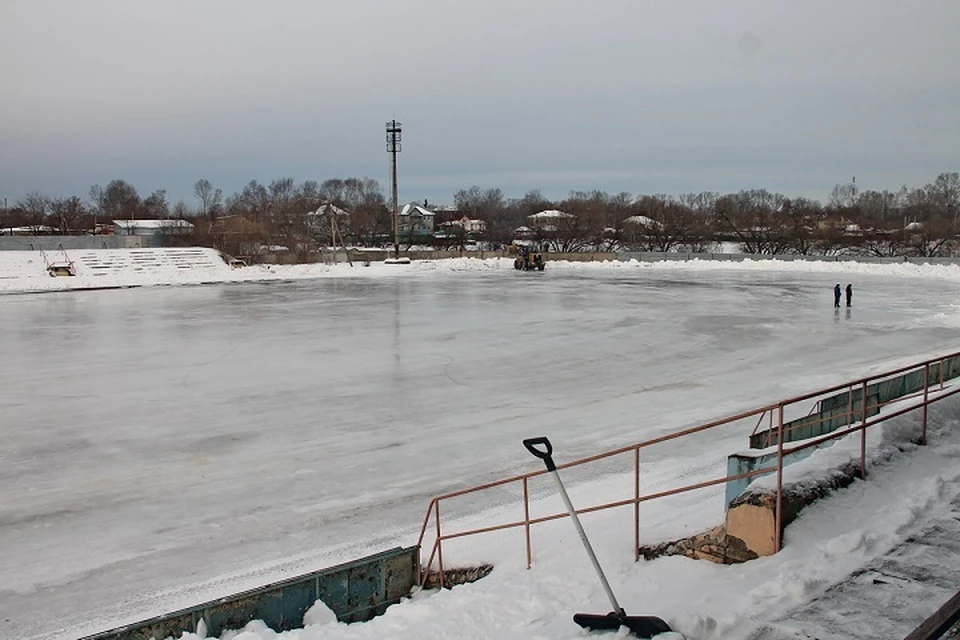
(164, 446)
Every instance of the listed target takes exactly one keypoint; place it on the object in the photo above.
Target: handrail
(857, 420)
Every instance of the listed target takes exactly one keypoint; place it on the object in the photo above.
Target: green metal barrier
(840, 410)
(355, 591)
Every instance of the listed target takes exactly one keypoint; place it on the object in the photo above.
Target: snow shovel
(642, 626)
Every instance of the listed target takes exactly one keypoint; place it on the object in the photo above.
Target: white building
(415, 219)
(549, 219)
(470, 225)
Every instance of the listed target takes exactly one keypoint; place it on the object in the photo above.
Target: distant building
(642, 221)
(328, 209)
(28, 230)
(320, 220)
(550, 219)
(524, 232)
(470, 225)
(147, 227)
(416, 220)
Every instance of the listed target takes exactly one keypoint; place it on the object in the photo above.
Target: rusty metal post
(926, 399)
(636, 504)
(849, 407)
(863, 433)
(526, 519)
(778, 519)
(439, 545)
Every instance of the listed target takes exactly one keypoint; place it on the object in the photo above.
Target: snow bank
(25, 271)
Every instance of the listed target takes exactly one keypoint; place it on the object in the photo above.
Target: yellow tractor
(529, 259)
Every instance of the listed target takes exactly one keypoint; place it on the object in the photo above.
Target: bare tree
(181, 211)
(366, 219)
(700, 235)
(487, 205)
(210, 199)
(883, 243)
(67, 213)
(944, 193)
(931, 238)
(155, 205)
(880, 208)
(755, 219)
(844, 195)
(120, 201)
(661, 223)
(253, 202)
(591, 209)
(802, 217)
(96, 200)
(288, 221)
(35, 207)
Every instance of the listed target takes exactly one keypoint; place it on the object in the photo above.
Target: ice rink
(164, 446)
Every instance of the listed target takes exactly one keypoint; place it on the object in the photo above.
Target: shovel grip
(545, 454)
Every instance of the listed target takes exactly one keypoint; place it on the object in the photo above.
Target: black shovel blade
(642, 626)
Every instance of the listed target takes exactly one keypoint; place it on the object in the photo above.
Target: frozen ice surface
(165, 446)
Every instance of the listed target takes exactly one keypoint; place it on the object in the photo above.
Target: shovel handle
(545, 454)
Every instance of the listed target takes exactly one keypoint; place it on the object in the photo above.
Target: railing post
(439, 545)
(526, 519)
(778, 518)
(849, 406)
(863, 433)
(636, 504)
(926, 399)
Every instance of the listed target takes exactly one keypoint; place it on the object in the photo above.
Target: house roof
(550, 214)
(329, 208)
(464, 220)
(642, 220)
(413, 207)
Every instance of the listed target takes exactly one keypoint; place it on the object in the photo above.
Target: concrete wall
(653, 256)
(74, 243)
(377, 255)
(355, 592)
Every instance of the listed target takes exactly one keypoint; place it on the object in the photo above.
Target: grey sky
(618, 95)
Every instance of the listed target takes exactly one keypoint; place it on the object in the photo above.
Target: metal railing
(858, 419)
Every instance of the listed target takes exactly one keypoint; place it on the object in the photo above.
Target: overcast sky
(557, 95)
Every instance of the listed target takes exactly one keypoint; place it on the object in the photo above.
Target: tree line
(920, 221)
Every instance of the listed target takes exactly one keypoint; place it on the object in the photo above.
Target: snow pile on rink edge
(26, 271)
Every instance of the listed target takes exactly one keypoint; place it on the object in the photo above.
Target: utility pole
(393, 148)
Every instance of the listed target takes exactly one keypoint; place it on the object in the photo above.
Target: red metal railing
(779, 409)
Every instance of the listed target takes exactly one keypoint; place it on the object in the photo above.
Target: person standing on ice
(849, 295)
(836, 295)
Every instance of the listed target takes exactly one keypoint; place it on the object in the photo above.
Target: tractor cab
(529, 259)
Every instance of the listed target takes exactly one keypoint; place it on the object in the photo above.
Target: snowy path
(896, 590)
